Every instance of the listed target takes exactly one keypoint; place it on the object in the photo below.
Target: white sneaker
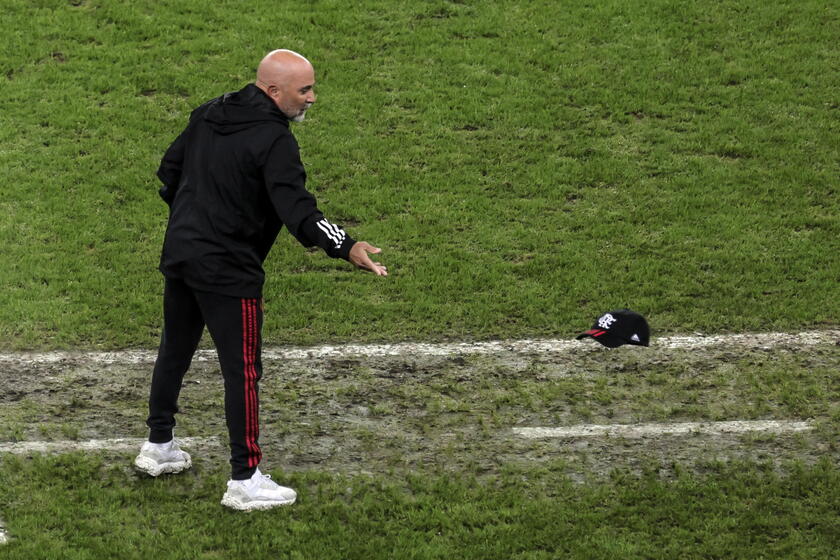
(257, 492)
(158, 458)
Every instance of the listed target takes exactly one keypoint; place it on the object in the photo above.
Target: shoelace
(259, 478)
(262, 475)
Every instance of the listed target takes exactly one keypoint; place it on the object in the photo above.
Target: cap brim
(603, 337)
(590, 332)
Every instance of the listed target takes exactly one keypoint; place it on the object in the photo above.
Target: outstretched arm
(285, 180)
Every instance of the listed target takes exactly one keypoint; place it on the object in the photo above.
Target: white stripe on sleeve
(335, 233)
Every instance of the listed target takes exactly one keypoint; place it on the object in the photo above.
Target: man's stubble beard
(302, 115)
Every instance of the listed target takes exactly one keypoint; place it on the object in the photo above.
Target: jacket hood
(243, 109)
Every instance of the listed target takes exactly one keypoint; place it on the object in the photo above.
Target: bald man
(232, 179)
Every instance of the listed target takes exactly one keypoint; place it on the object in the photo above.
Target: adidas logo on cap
(622, 326)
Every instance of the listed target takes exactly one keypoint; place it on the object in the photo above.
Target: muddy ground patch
(356, 413)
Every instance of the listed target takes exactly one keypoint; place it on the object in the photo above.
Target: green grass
(733, 511)
(524, 166)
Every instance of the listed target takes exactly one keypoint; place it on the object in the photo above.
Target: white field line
(3, 537)
(648, 430)
(548, 346)
(25, 447)
(578, 431)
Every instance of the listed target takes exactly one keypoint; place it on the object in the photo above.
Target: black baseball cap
(622, 326)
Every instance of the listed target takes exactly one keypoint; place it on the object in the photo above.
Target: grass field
(525, 166)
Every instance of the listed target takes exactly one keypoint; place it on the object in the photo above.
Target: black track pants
(235, 324)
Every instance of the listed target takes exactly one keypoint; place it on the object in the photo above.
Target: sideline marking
(3, 535)
(680, 428)
(760, 340)
(22, 447)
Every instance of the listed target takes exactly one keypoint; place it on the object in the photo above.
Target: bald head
(277, 65)
(289, 80)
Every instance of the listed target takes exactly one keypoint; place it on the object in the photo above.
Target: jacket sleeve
(170, 168)
(285, 180)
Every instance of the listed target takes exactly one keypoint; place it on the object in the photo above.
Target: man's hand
(359, 256)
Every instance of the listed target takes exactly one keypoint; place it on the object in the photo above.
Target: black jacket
(232, 179)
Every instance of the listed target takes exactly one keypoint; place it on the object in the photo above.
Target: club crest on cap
(622, 326)
(606, 320)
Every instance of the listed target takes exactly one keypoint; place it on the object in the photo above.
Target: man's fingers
(369, 248)
(378, 269)
(359, 257)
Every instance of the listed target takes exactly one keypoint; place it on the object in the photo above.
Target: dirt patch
(382, 412)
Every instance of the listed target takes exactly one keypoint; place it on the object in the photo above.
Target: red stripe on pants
(249, 355)
(252, 386)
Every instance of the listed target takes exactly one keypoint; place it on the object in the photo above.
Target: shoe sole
(152, 468)
(233, 503)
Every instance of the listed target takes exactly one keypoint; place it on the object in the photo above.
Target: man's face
(296, 94)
